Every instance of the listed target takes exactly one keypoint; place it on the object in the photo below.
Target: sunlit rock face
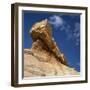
(45, 58)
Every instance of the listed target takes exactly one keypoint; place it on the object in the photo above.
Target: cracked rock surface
(44, 58)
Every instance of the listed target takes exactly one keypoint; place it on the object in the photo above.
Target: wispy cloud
(57, 21)
(76, 33)
(77, 26)
(60, 24)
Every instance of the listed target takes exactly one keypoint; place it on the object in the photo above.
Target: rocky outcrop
(45, 58)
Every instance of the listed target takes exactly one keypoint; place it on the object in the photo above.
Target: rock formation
(45, 58)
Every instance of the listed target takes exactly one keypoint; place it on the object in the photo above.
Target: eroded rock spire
(42, 31)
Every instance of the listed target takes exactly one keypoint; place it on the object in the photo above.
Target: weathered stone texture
(45, 58)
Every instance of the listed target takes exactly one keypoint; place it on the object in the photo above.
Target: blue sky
(66, 32)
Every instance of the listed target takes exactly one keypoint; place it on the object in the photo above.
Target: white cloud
(57, 21)
(76, 34)
(60, 24)
(77, 27)
(62, 28)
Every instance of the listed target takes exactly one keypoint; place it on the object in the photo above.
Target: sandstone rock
(42, 31)
(45, 58)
